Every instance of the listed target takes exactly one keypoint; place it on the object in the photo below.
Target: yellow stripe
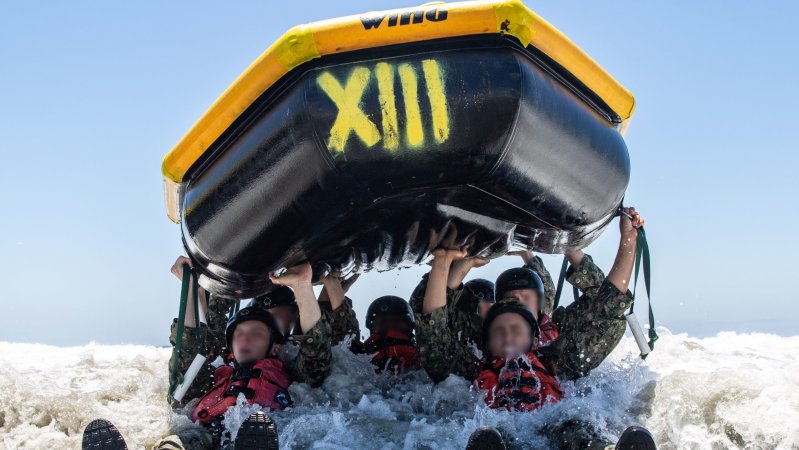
(438, 101)
(304, 43)
(530, 28)
(413, 117)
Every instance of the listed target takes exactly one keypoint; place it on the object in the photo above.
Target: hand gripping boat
(361, 142)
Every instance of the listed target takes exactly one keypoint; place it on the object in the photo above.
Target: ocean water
(728, 391)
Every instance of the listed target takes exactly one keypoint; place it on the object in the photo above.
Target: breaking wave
(729, 391)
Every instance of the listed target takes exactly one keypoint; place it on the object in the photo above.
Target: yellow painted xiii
(438, 100)
(376, 29)
(413, 117)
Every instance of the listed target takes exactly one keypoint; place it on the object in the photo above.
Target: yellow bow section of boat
(377, 29)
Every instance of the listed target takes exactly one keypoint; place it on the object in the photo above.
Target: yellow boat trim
(304, 43)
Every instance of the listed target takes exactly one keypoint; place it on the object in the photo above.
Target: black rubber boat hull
(364, 161)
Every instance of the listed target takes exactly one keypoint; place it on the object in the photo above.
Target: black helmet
(280, 296)
(511, 306)
(254, 311)
(520, 278)
(389, 305)
(482, 289)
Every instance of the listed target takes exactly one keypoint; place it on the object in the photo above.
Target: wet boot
(636, 438)
(258, 432)
(101, 434)
(486, 438)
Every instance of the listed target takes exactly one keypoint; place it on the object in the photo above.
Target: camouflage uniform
(452, 333)
(442, 351)
(311, 365)
(213, 336)
(592, 326)
(464, 333)
(343, 321)
(589, 328)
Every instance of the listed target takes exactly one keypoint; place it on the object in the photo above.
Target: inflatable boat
(360, 143)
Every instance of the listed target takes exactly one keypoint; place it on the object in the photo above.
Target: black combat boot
(258, 432)
(636, 438)
(486, 438)
(101, 434)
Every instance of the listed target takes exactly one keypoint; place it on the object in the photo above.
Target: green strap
(642, 257)
(561, 279)
(198, 335)
(184, 296)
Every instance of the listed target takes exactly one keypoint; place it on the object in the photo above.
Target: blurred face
(383, 324)
(483, 308)
(509, 335)
(526, 297)
(286, 316)
(251, 339)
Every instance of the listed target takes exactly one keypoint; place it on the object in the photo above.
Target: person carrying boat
(280, 302)
(255, 375)
(463, 299)
(389, 319)
(211, 332)
(588, 330)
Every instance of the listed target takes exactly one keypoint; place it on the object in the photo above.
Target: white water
(729, 391)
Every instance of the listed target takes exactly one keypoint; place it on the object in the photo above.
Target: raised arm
(312, 363)
(435, 296)
(298, 278)
(591, 327)
(340, 315)
(629, 222)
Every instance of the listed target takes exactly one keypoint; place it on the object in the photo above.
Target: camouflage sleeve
(441, 352)
(213, 337)
(312, 363)
(462, 318)
(589, 329)
(343, 321)
(464, 321)
(587, 276)
(417, 297)
(188, 344)
(537, 266)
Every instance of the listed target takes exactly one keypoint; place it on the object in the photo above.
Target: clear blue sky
(93, 94)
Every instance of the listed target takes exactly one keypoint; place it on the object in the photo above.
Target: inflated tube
(365, 160)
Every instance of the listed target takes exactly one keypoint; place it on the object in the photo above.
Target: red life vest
(394, 351)
(521, 384)
(264, 383)
(549, 331)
